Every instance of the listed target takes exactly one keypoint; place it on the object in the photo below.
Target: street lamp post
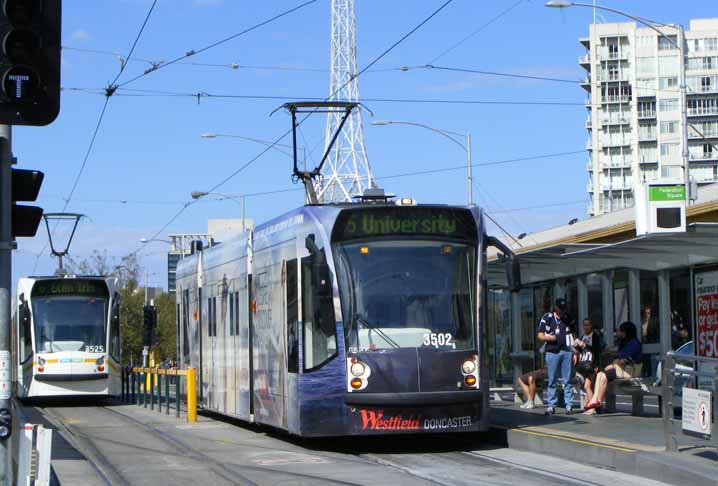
(684, 104)
(241, 202)
(447, 134)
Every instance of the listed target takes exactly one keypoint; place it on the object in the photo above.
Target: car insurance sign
(697, 412)
(707, 314)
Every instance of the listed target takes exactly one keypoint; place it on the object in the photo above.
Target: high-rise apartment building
(635, 107)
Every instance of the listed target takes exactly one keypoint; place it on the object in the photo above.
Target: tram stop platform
(618, 441)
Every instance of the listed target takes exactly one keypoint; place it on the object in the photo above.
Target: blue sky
(149, 153)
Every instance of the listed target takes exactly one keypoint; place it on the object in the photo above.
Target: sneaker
(529, 405)
(569, 410)
(525, 404)
(590, 412)
(550, 411)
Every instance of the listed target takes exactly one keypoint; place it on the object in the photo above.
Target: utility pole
(5, 287)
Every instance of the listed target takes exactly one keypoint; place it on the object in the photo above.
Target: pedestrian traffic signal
(25, 187)
(30, 61)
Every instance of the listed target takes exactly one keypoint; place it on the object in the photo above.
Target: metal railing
(670, 371)
(141, 386)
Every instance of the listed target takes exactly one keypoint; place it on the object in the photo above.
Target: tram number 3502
(439, 339)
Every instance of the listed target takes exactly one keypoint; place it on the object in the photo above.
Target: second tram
(66, 337)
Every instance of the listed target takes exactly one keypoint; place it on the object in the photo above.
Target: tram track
(111, 475)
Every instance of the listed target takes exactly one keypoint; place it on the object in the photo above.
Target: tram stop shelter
(608, 274)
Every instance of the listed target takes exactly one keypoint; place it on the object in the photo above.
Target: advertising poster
(707, 314)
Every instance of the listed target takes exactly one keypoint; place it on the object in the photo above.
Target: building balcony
(650, 136)
(702, 111)
(614, 76)
(616, 119)
(585, 60)
(608, 55)
(589, 144)
(701, 156)
(615, 140)
(589, 166)
(589, 123)
(646, 114)
(589, 187)
(649, 160)
(615, 99)
(615, 162)
(706, 134)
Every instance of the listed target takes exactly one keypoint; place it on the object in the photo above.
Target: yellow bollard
(191, 395)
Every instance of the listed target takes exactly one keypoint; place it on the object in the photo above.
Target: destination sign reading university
(414, 221)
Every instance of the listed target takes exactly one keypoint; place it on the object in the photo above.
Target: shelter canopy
(699, 244)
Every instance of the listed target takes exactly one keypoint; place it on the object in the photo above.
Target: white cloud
(80, 35)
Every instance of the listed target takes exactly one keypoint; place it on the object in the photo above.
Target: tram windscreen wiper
(382, 334)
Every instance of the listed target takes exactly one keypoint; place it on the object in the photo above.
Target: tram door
(291, 300)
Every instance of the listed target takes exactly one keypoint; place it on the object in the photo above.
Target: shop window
(621, 305)
(571, 317)
(681, 329)
(499, 335)
(528, 322)
(649, 331)
(595, 300)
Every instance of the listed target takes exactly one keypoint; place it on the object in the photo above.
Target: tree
(166, 327)
(127, 270)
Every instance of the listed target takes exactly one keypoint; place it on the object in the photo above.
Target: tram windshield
(407, 277)
(70, 316)
(400, 293)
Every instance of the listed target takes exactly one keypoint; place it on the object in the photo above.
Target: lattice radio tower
(346, 172)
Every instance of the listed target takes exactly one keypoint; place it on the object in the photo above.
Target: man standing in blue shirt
(559, 358)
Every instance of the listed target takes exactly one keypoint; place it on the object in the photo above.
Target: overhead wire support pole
(6, 161)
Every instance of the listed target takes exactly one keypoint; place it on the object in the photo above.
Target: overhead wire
(98, 125)
(208, 95)
(352, 78)
(479, 29)
(224, 40)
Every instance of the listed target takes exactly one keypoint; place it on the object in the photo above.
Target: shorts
(537, 375)
(628, 371)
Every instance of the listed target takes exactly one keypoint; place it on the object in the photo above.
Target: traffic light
(149, 325)
(25, 187)
(30, 61)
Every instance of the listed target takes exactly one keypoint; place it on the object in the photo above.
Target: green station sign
(675, 192)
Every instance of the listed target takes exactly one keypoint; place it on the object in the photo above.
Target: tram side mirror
(24, 312)
(513, 274)
(321, 277)
(511, 263)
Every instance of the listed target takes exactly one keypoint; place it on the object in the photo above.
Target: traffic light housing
(25, 187)
(30, 32)
(149, 324)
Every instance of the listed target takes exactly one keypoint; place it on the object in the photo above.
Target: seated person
(527, 382)
(589, 349)
(626, 365)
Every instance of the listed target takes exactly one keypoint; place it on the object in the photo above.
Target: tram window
(115, 329)
(24, 321)
(319, 323)
(231, 314)
(185, 326)
(236, 314)
(292, 318)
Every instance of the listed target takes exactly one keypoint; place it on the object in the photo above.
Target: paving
(618, 441)
(126, 444)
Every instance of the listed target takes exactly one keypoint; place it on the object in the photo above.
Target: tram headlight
(40, 361)
(468, 366)
(357, 369)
